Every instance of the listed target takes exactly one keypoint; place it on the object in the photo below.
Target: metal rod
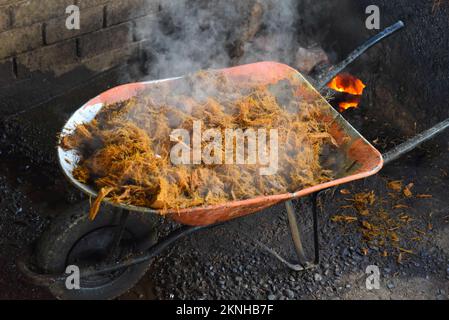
(335, 70)
(304, 263)
(148, 255)
(414, 142)
(290, 265)
(293, 223)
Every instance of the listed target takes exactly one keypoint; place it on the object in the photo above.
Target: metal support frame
(111, 266)
(296, 236)
(303, 262)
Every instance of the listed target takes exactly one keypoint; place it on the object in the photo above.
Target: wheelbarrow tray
(355, 158)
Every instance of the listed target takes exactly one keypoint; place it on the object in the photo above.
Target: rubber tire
(65, 230)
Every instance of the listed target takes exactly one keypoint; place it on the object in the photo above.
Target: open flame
(351, 102)
(348, 84)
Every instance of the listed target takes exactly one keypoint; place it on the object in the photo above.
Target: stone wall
(34, 37)
(40, 58)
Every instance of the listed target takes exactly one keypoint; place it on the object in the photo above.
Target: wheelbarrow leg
(296, 235)
(304, 263)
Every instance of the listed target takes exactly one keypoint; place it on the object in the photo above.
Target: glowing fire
(348, 84)
(351, 103)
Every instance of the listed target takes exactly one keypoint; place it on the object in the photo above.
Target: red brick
(58, 59)
(91, 19)
(20, 40)
(32, 11)
(106, 39)
(125, 10)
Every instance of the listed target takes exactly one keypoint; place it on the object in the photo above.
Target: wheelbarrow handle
(415, 142)
(335, 70)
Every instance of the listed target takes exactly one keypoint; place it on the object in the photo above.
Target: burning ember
(352, 102)
(349, 84)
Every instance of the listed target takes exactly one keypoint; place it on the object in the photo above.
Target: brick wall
(34, 38)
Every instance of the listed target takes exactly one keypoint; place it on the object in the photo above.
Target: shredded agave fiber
(125, 151)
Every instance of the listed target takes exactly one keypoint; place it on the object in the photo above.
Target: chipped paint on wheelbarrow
(355, 158)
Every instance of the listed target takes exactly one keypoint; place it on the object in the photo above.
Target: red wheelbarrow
(115, 250)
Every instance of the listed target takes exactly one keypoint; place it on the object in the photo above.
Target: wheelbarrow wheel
(72, 239)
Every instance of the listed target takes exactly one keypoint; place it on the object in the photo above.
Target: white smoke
(198, 34)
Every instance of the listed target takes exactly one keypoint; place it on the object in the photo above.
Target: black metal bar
(414, 142)
(148, 255)
(335, 70)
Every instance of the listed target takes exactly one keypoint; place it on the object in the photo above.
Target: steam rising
(189, 35)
